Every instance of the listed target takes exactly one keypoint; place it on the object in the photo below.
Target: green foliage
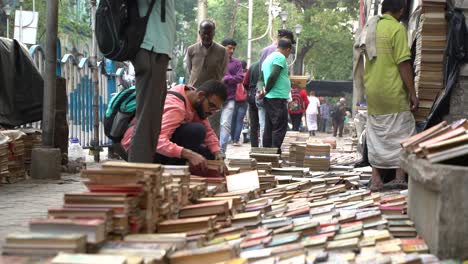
(74, 25)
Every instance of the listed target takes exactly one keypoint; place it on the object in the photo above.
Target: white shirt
(314, 104)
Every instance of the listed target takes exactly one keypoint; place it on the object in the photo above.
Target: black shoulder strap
(178, 95)
(163, 10)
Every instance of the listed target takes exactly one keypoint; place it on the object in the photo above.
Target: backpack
(297, 104)
(120, 112)
(119, 28)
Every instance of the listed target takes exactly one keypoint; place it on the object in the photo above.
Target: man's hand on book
(414, 103)
(196, 160)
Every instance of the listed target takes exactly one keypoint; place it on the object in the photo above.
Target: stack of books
(243, 164)
(32, 139)
(264, 150)
(291, 136)
(126, 216)
(16, 171)
(441, 143)
(274, 159)
(430, 47)
(290, 171)
(3, 157)
(292, 154)
(215, 169)
(43, 244)
(181, 180)
(149, 176)
(317, 157)
(300, 153)
(93, 229)
(220, 209)
(264, 168)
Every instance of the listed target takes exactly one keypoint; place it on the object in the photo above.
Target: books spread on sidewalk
(291, 216)
(440, 143)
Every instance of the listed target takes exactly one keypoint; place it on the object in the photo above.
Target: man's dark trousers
(276, 122)
(151, 89)
(190, 136)
(296, 121)
(254, 124)
(338, 124)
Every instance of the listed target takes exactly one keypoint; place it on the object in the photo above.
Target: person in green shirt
(275, 75)
(390, 94)
(150, 73)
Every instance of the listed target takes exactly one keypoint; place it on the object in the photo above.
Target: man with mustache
(186, 134)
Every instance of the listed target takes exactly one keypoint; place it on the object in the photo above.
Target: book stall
(267, 212)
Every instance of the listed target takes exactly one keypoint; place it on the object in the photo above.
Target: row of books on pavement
(15, 153)
(147, 213)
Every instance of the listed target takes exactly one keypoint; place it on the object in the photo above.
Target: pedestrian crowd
(196, 121)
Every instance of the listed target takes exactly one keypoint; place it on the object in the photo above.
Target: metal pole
(48, 114)
(94, 69)
(21, 22)
(8, 27)
(249, 34)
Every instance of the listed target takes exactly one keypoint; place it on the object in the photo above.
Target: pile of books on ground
(16, 170)
(243, 164)
(266, 155)
(317, 157)
(291, 136)
(3, 157)
(32, 138)
(299, 220)
(441, 143)
(430, 47)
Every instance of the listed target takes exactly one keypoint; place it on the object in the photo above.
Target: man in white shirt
(313, 110)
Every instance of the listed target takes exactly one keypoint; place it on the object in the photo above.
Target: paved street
(29, 199)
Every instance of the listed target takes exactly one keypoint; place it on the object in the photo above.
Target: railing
(80, 90)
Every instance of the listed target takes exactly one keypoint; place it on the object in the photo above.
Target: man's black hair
(244, 64)
(214, 87)
(284, 33)
(284, 44)
(393, 6)
(229, 41)
(207, 22)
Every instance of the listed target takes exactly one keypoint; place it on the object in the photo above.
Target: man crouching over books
(186, 134)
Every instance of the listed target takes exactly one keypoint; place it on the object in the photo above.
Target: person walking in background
(297, 106)
(151, 65)
(250, 83)
(324, 115)
(305, 98)
(312, 112)
(206, 60)
(240, 109)
(275, 93)
(234, 75)
(338, 115)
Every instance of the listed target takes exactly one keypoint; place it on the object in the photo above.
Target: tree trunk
(298, 69)
(233, 18)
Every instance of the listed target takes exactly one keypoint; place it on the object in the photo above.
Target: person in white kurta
(313, 110)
